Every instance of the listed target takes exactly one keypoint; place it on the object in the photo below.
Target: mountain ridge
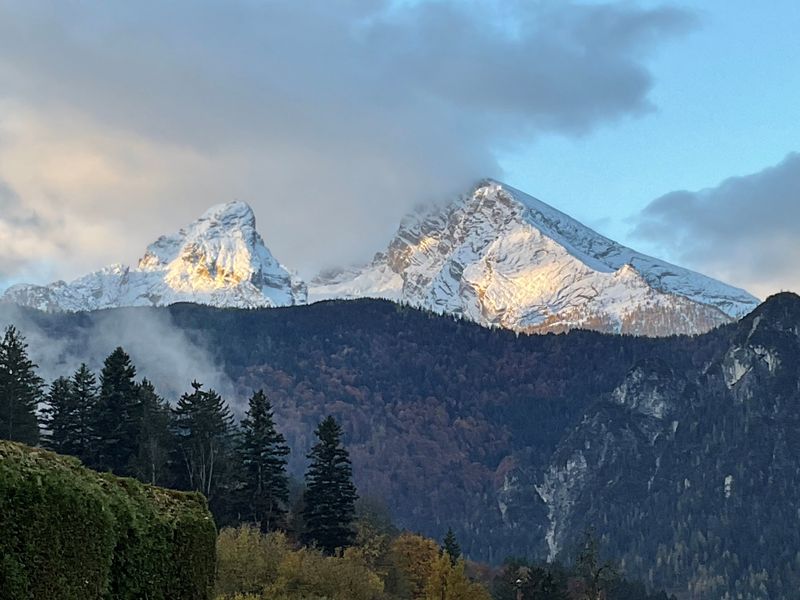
(496, 256)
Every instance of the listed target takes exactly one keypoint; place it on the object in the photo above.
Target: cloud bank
(162, 352)
(745, 231)
(120, 121)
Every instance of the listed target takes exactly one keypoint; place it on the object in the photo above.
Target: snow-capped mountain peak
(221, 221)
(496, 256)
(219, 259)
(501, 257)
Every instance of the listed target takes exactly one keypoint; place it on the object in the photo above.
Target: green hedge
(68, 532)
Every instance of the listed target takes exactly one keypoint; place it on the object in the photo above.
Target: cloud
(745, 231)
(21, 229)
(170, 357)
(125, 120)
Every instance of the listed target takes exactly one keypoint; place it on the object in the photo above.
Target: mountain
(495, 256)
(683, 453)
(698, 467)
(502, 258)
(219, 260)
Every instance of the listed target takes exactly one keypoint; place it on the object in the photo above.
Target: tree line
(117, 423)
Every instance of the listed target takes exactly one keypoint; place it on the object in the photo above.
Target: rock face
(502, 258)
(219, 260)
(702, 460)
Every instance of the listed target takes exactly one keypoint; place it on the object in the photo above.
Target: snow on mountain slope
(220, 260)
(500, 257)
(496, 256)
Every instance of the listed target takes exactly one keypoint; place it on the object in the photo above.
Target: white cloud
(120, 121)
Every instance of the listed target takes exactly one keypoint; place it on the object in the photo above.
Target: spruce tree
(83, 387)
(451, 547)
(116, 420)
(20, 390)
(330, 494)
(58, 416)
(263, 450)
(154, 444)
(203, 426)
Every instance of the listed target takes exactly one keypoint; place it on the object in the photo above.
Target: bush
(307, 573)
(247, 560)
(70, 533)
(256, 566)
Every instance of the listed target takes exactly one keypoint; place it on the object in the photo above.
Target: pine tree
(117, 416)
(83, 387)
(451, 547)
(263, 451)
(20, 390)
(330, 494)
(154, 444)
(203, 426)
(58, 416)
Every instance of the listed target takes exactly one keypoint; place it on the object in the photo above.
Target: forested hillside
(679, 451)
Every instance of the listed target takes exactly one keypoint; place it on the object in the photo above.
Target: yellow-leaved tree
(448, 581)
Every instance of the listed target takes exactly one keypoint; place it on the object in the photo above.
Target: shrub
(70, 533)
(247, 560)
(307, 573)
(256, 566)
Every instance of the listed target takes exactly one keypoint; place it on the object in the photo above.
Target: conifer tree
(263, 451)
(451, 547)
(20, 390)
(203, 426)
(83, 387)
(58, 416)
(154, 442)
(116, 421)
(330, 494)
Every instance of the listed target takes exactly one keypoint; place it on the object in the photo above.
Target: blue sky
(726, 102)
(669, 126)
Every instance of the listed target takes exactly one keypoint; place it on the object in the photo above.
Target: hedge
(68, 532)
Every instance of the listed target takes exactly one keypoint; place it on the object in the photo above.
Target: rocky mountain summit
(503, 258)
(220, 260)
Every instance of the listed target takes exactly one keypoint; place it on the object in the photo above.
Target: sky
(671, 127)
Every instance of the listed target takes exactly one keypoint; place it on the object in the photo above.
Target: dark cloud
(746, 230)
(329, 117)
